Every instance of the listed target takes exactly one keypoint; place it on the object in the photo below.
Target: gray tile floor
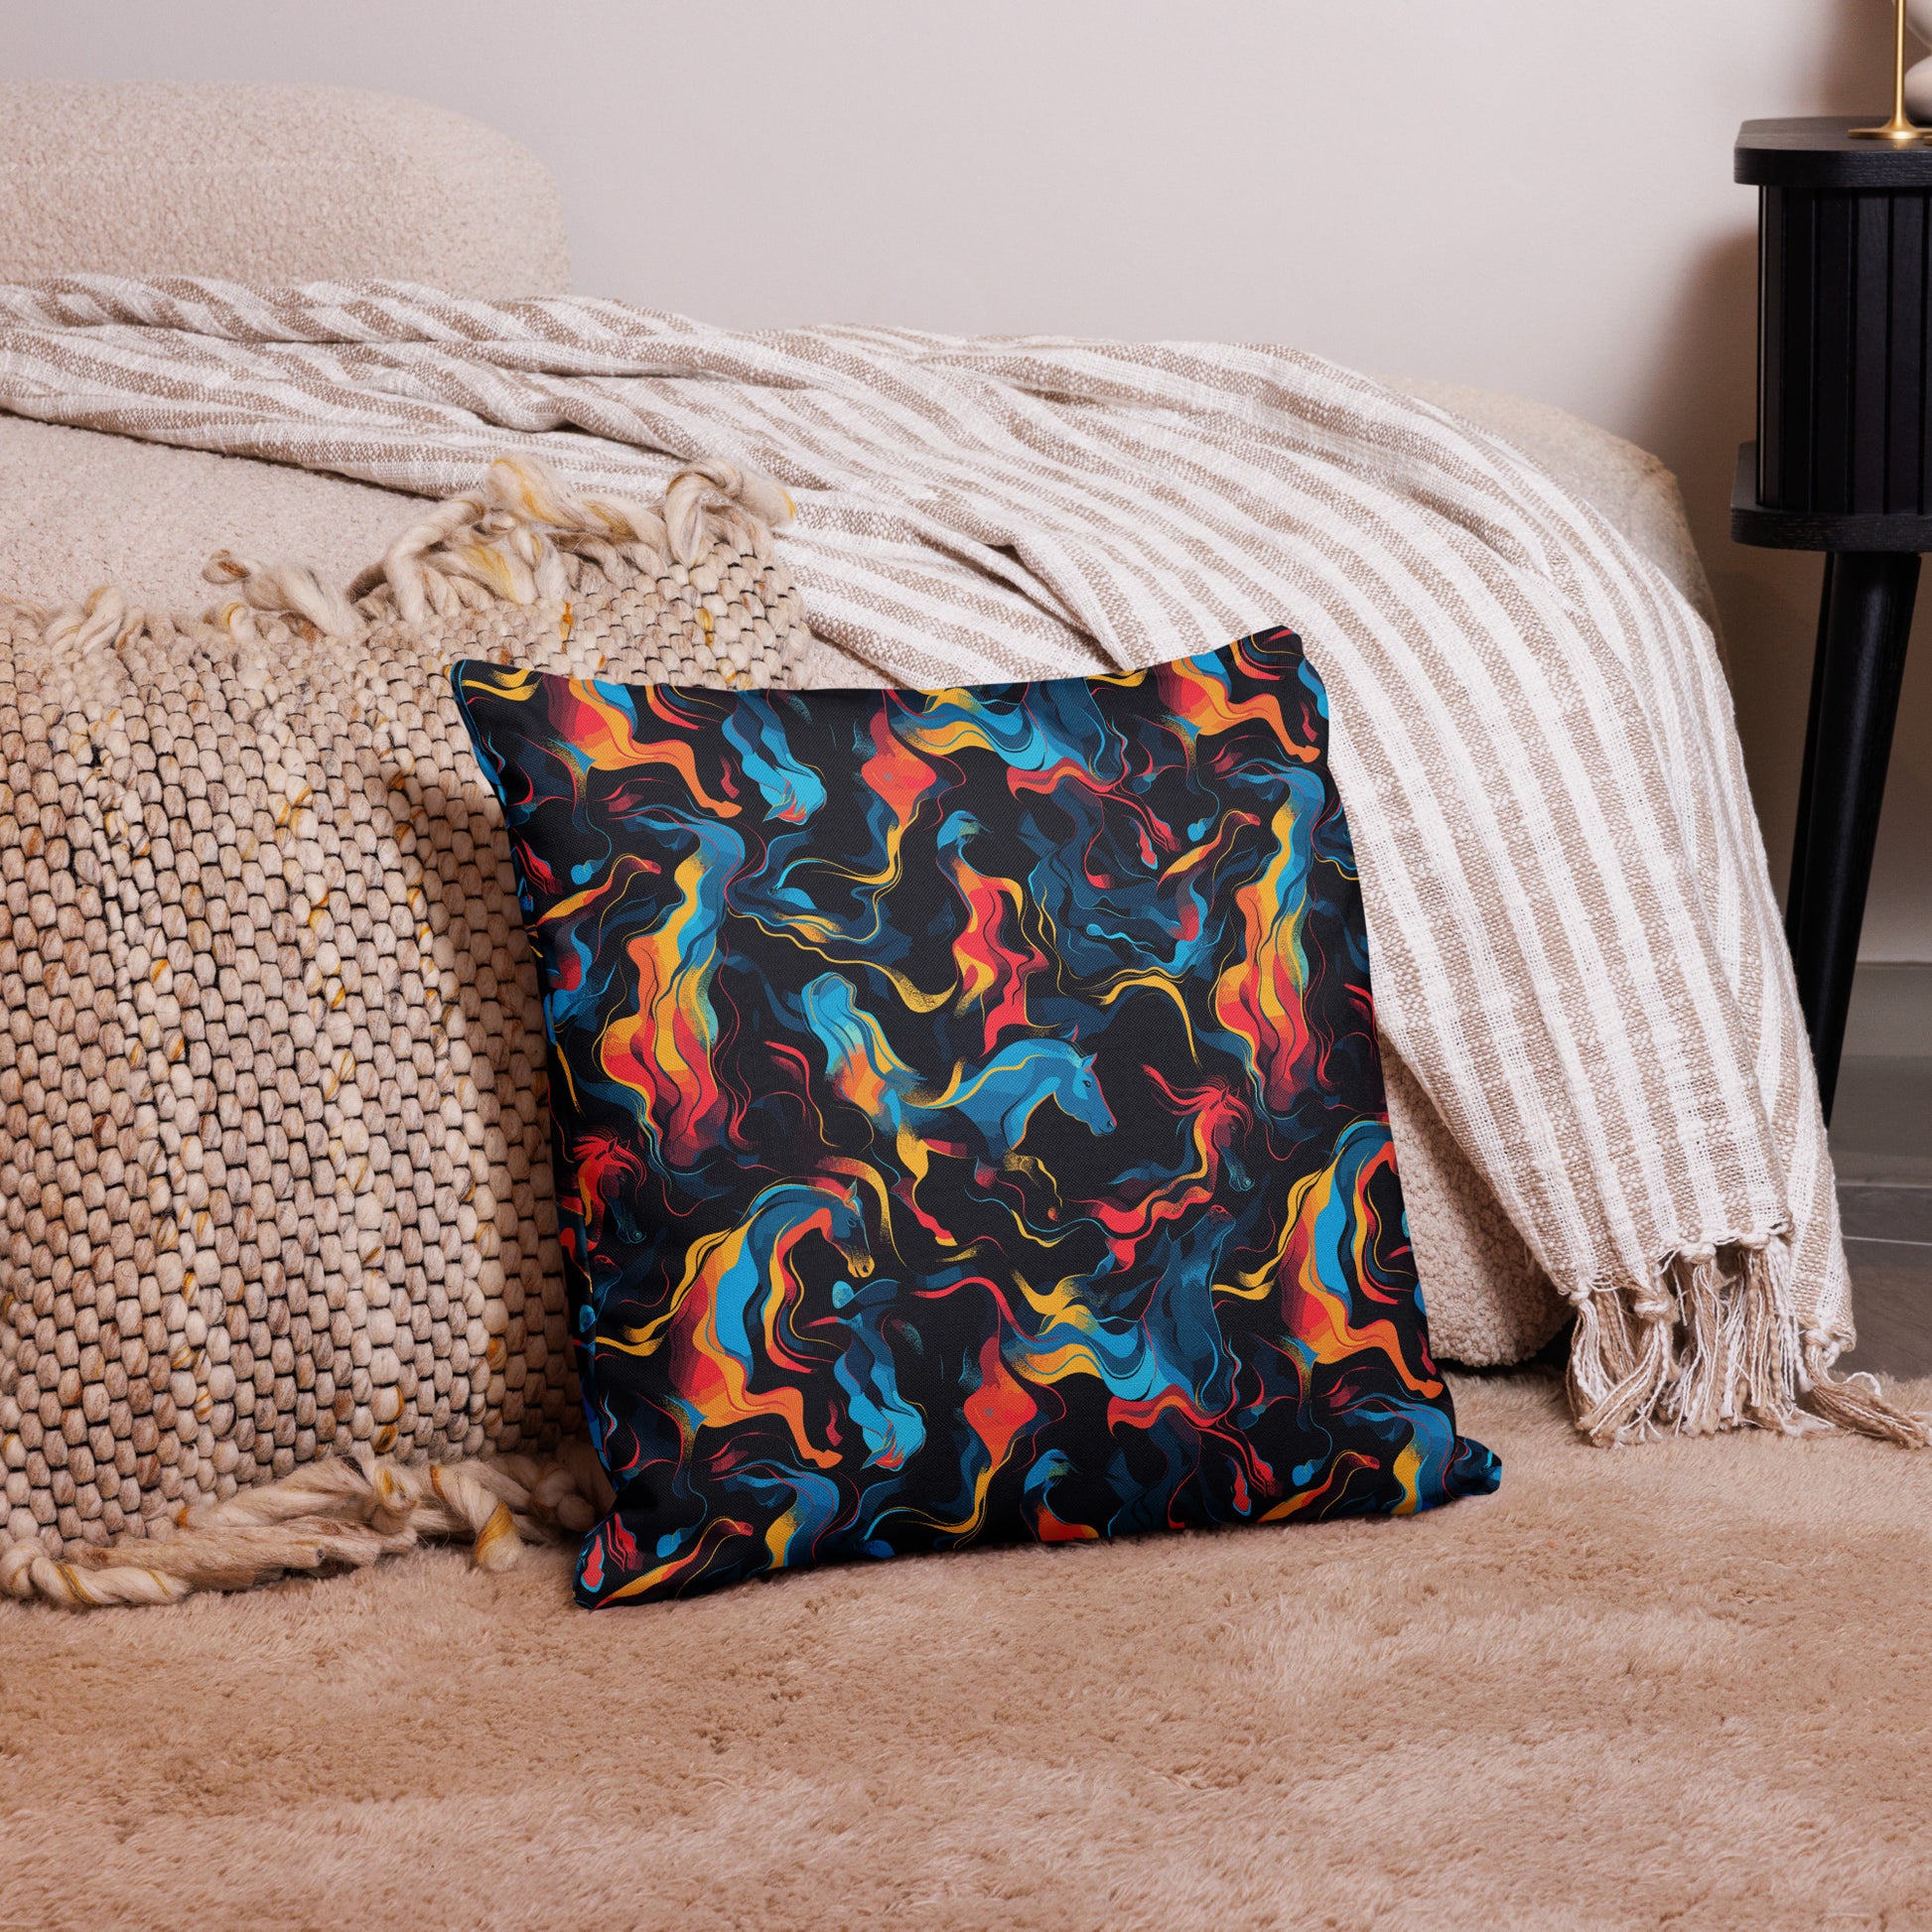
(1881, 1144)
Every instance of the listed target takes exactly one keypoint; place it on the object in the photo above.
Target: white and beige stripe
(1578, 952)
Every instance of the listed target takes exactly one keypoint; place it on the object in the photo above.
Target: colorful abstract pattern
(968, 1117)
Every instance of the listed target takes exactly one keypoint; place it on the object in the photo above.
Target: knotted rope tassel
(335, 1514)
(280, 589)
(518, 537)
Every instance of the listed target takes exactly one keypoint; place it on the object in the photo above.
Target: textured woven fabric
(969, 1114)
(274, 1154)
(1578, 954)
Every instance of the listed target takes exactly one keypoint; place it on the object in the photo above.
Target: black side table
(1843, 464)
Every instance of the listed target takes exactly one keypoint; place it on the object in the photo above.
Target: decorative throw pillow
(968, 1118)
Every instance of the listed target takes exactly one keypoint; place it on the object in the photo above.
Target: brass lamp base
(1900, 128)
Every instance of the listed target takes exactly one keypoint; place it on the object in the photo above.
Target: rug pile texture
(1685, 1687)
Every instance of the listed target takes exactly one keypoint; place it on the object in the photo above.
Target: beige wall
(1522, 193)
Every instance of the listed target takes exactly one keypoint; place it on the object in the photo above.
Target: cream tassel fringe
(521, 537)
(1714, 1344)
(330, 1515)
(293, 589)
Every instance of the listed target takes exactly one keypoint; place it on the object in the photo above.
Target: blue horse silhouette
(996, 1102)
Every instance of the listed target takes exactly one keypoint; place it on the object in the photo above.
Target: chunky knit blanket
(1578, 953)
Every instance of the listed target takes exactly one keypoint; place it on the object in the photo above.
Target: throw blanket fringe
(1578, 951)
(1712, 1344)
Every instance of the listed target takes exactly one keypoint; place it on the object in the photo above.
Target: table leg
(1865, 620)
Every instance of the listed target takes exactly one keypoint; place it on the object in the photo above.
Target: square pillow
(968, 1118)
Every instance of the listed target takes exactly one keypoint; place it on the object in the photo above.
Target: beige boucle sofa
(297, 184)
(267, 184)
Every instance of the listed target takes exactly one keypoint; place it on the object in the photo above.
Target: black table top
(1818, 151)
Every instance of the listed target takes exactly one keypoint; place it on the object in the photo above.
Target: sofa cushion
(79, 508)
(269, 184)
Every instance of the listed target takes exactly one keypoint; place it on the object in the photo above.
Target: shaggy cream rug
(1686, 1683)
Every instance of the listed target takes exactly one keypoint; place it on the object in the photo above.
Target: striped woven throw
(1578, 952)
